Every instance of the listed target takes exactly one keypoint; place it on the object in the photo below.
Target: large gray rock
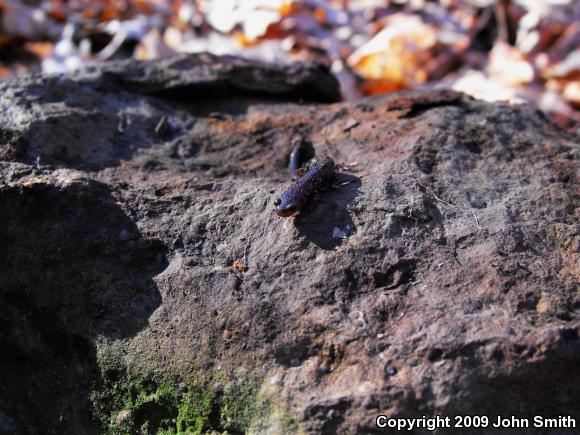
(145, 282)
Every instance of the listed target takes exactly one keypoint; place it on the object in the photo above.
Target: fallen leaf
(238, 265)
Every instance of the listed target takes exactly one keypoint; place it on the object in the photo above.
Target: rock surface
(439, 275)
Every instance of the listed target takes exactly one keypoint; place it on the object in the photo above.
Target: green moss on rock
(133, 396)
(131, 403)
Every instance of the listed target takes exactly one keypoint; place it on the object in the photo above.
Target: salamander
(319, 173)
(301, 154)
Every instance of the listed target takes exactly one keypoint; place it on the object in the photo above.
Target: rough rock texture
(454, 289)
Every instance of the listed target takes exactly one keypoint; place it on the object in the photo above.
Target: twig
(450, 204)
(476, 220)
(344, 183)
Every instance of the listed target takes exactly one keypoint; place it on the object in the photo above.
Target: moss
(287, 421)
(239, 407)
(195, 410)
(145, 405)
(126, 402)
(272, 418)
(132, 397)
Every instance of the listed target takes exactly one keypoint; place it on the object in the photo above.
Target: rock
(455, 292)
(124, 418)
(207, 76)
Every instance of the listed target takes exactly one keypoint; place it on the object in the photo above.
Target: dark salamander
(301, 154)
(319, 173)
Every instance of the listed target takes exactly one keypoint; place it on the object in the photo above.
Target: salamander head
(285, 207)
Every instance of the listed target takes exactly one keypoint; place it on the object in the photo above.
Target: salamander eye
(277, 202)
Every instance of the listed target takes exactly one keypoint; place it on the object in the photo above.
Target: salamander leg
(299, 173)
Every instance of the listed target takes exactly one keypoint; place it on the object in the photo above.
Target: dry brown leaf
(572, 93)
(238, 265)
(396, 57)
(509, 65)
(371, 45)
(568, 69)
(41, 49)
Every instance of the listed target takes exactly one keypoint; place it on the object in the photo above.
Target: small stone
(124, 418)
(226, 335)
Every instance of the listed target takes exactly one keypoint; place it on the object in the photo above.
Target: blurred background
(505, 50)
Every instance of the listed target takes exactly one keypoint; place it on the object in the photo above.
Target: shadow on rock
(326, 222)
(74, 267)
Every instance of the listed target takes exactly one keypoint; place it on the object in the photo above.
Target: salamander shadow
(326, 221)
